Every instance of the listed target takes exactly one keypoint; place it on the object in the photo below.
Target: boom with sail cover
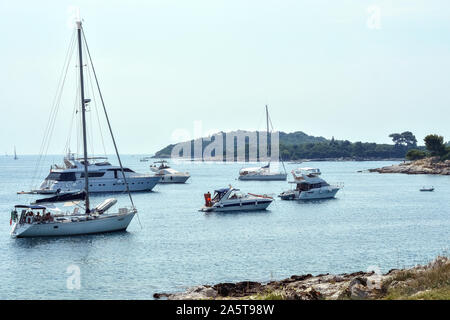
(70, 196)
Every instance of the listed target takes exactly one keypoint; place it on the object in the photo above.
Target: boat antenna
(267, 123)
(83, 117)
(109, 124)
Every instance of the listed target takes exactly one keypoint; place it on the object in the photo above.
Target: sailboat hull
(107, 223)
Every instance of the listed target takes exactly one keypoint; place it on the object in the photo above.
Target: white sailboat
(49, 220)
(262, 173)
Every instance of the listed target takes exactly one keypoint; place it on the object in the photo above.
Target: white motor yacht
(261, 173)
(168, 175)
(103, 177)
(309, 186)
(230, 199)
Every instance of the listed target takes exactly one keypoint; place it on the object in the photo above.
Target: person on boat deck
(49, 216)
(38, 217)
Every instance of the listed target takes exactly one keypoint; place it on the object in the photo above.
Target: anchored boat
(168, 175)
(309, 186)
(104, 177)
(47, 219)
(230, 199)
(263, 173)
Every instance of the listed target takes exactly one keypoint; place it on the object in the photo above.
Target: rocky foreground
(423, 166)
(431, 281)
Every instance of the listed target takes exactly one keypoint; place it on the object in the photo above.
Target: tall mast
(83, 116)
(267, 123)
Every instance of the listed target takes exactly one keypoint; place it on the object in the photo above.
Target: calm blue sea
(376, 221)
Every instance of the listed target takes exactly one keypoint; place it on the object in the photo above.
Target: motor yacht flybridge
(103, 177)
(168, 175)
(309, 186)
(46, 219)
(263, 173)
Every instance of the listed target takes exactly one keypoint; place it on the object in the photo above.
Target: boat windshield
(235, 195)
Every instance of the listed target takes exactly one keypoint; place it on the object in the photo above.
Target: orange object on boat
(207, 199)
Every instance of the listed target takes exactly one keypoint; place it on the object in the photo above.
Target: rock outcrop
(356, 286)
(423, 166)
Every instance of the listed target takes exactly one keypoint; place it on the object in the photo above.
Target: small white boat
(427, 189)
(168, 175)
(261, 173)
(309, 186)
(230, 199)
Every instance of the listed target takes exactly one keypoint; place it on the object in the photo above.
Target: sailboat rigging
(48, 220)
(263, 173)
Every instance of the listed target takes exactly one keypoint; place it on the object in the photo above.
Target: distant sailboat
(15, 154)
(263, 173)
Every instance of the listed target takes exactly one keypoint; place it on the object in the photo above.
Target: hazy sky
(328, 68)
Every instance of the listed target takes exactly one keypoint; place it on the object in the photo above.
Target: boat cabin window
(309, 186)
(93, 174)
(61, 176)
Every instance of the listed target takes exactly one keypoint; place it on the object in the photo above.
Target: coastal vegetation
(299, 146)
(435, 147)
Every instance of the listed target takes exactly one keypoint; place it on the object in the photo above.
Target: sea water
(376, 222)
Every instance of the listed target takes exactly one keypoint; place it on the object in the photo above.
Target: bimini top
(222, 190)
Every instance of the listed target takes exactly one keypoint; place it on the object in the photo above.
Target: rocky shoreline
(423, 166)
(359, 285)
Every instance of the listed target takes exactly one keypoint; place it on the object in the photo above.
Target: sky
(353, 69)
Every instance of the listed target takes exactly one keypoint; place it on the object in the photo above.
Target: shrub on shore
(431, 283)
(415, 154)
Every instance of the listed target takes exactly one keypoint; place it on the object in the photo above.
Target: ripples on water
(376, 220)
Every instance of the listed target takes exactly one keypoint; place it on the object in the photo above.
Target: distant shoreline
(293, 161)
(423, 166)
